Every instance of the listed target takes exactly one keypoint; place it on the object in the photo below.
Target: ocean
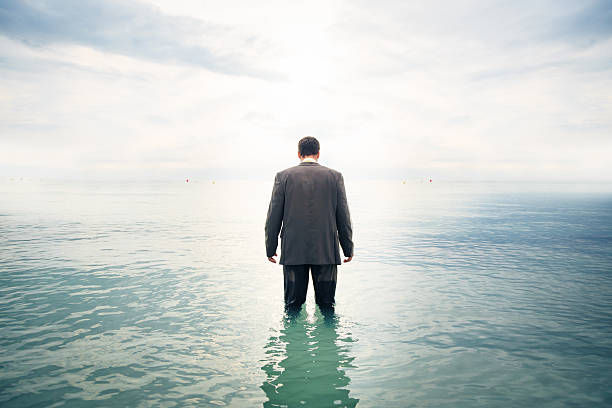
(460, 294)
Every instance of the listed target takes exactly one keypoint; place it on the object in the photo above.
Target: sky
(456, 90)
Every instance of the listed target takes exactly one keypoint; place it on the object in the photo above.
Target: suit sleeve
(343, 220)
(275, 216)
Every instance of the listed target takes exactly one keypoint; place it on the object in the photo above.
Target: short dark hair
(308, 146)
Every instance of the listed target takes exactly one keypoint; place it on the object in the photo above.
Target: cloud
(457, 89)
(590, 24)
(128, 28)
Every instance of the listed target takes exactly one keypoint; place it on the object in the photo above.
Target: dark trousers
(296, 284)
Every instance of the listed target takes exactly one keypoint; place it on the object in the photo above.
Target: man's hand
(271, 259)
(348, 259)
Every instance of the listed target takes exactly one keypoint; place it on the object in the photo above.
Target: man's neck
(309, 159)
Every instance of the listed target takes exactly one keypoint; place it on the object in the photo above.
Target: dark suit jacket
(309, 209)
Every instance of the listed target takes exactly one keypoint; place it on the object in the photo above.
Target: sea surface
(138, 294)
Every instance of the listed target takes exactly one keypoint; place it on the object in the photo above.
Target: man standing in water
(309, 209)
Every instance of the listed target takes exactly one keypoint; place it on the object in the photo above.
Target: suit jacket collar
(309, 164)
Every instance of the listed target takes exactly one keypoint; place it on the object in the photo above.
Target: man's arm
(274, 218)
(343, 221)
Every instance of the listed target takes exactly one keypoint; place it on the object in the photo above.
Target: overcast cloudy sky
(209, 89)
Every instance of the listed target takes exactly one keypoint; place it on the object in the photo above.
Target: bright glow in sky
(484, 90)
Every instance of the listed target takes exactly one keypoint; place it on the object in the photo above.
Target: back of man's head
(308, 146)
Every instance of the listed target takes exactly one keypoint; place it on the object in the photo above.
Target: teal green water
(159, 294)
(307, 362)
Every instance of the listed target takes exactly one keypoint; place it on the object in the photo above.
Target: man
(309, 209)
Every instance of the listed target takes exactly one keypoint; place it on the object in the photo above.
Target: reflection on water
(305, 363)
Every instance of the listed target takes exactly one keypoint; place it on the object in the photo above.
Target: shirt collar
(309, 159)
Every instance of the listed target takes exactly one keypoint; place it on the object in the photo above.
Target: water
(159, 294)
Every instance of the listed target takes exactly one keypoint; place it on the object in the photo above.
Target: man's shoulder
(298, 168)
